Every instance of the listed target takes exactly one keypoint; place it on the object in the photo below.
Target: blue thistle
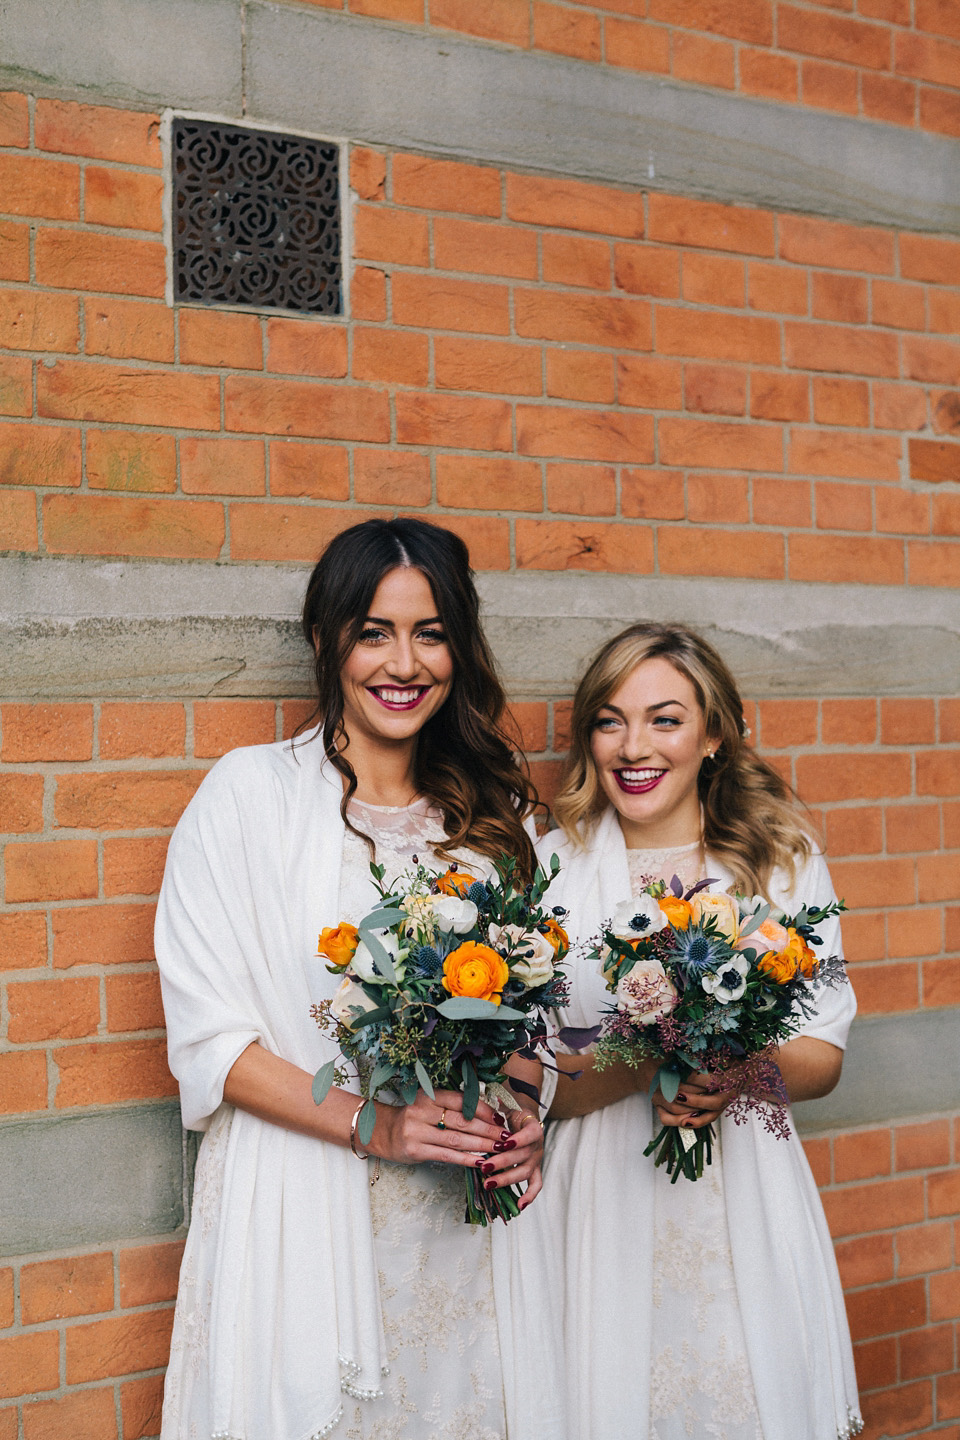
(478, 893)
(698, 950)
(425, 962)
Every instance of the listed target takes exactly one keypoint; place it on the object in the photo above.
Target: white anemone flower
(728, 981)
(362, 962)
(454, 913)
(637, 919)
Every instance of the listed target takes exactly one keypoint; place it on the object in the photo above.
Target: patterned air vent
(256, 219)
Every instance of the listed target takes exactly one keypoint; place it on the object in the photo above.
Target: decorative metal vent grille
(256, 218)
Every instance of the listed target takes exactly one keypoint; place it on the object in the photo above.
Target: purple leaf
(522, 1088)
(676, 887)
(578, 1038)
(700, 885)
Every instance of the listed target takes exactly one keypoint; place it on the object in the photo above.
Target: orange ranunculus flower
(678, 912)
(475, 970)
(553, 931)
(338, 943)
(455, 882)
(781, 967)
(805, 958)
(795, 957)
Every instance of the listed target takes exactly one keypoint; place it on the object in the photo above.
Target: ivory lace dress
(436, 1280)
(700, 1383)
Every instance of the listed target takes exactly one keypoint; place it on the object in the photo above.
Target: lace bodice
(684, 861)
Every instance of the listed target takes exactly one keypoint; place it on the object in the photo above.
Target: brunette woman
(708, 1308)
(312, 1301)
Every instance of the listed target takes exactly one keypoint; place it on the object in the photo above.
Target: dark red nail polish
(681, 1097)
(486, 1167)
(504, 1134)
(499, 1147)
(509, 1145)
(489, 1184)
(500, 1119)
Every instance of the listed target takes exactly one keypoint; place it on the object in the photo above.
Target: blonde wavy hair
(752, 820)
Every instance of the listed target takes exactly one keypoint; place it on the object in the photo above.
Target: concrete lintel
(85, 1179)
(152, 628)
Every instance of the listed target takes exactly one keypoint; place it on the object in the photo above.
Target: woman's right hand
(411, 1134)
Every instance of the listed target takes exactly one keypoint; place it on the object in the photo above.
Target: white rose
(362, 962)
(529, 954)
(637, 919)
(646, 992)
(349, 996)
(453, 913)
(728, 981)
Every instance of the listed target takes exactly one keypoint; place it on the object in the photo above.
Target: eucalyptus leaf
(371, 1017)
(755, 921)
(462, 1007)
(322, 1082)
(365, 1123)
(383, 916)
(669, 1082)
(426, 1084)
(409, 1091)
(382, 1073)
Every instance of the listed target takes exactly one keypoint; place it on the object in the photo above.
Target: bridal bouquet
(709, 983)
(442, 982)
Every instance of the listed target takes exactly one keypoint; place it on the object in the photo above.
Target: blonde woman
(706, 1309)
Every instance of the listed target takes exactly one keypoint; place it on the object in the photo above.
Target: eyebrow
(660, 705)
(389, 625)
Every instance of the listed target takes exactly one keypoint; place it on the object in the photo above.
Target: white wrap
(594, 1222)
(252, 876)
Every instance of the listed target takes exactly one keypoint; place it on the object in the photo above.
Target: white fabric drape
(286, 1257)
(594, 1224)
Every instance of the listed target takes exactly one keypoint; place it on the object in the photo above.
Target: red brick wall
(574, 377)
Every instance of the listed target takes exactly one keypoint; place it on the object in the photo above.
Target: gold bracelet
(353, 1144)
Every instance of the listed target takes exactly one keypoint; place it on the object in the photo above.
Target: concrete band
(441, 93)
(89, 628)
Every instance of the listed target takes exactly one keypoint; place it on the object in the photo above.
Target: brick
(900, 512)
(133, 1003)
(945, 1296)
(108, 1074)
(141, 1404)
(498, 367)
(575, 205)
(118, 1346)
(81, 260)
(865, 1261)
(933, 564)
(122, 198)
(900, 306)
(297, 716)
(484, 248)
(946, 412)
(781, 502)
(934, 460)
(132, 730)
(47, 189)
(222, 725)
(445, 185)
(50, 870)
(574, 260)
(300, 407)
(14, 251)
(876, 1362)
(870, 882)
(718, 499)
(389, 477)
(23, 1087)
(921, 1146)
(35, 320)
(81, 1414)
(862, 1209)
(59, 1289)
(769, 77)
(914, 933)
(883, 97)
(811, 241)
(688, 551)
(843, 506)
(306, 347)
(581, 375)
(458, 421)
(833, 37)
(648, 383)
(718, 336)
(848, 722)
(488, 539)
(902, 1411)
(584, 545)
(23, 940)
(925, 257)
(53, 1009)
(840, 348)
(931, 360)
(637, 47)
(843, 559)
(581, 489)
(6, 1303)
(926, 58)
(948, 1399)
(35, 454)
(284, 532)
(647, 270)
(529, 721)
(841, 402)
(46, 732)
(438, 303)
(818, 1158)
(864, 939)
(853, 777)
(133, 866)
(391, 357)
(949, 720)
(582, 434)
(907, 722)
(80, 390)
(396, 237)
(120, 460)
(912, 827)
(777, 288)
(715, 389)
(587, 320)
(677, 220)
(944, 311)
(368, 294)
(410, 11)
(938, 877)
(16, 379)
(720, 445)
(220, 338)
(925, 1352)
(125, 799)
(29, 1364)
(740, 19)
(855, 832)
(148, 1273)
(319, 471)
(222, 466)
(114, 526)
(495, 20)
(124, 136)
(938, 16)
(102, 935)
(480, 483)
(938, 772)
(651, 494)
(700, 61)
(786, 723)
(368, 172)
(128, 329)
(775, 396)
(14, 119)
(861, 1155)
(566, 32)
(829, 87)
(714, 280)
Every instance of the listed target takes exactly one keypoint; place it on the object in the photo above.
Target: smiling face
(648, 743)
(400, 671)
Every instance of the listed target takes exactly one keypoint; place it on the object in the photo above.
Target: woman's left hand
(695, 1106)
(520, 1159)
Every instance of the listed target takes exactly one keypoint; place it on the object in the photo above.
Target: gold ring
(440, 1122)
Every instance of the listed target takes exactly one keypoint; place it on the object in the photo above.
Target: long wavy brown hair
(466, 757)
(752, 820)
